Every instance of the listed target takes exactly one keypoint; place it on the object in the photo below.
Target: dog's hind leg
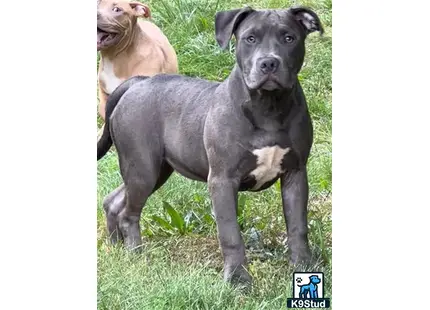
(114, 203)
(144, 170)
(301, 293)
(138, 190)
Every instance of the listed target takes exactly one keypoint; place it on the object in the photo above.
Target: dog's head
(314, 279)
(116, 19)
(270, 44)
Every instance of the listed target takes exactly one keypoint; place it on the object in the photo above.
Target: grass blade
(176, 219)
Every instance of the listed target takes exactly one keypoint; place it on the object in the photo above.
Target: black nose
(268, 64)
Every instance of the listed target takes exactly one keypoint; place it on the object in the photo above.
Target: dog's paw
(300, 257)
(238, 277)
(116, 237)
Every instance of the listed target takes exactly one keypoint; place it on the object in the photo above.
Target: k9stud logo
(308, 291)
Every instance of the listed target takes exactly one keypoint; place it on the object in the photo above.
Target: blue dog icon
(310, 289)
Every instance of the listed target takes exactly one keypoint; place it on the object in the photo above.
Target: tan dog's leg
(102, 107)
(102, 103)
(100, 132)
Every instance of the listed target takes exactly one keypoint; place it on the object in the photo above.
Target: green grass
(181, 268)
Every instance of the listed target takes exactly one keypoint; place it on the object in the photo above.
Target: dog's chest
(269, 164)
(108, 78)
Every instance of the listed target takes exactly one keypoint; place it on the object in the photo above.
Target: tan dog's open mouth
(105, 39)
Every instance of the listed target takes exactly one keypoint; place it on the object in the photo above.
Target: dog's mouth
(269, 82)
(272, 82)
(104, 38)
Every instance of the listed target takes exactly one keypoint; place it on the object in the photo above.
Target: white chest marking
(269, 161)
(107, 75)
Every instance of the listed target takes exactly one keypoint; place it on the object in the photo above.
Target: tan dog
(129, 47)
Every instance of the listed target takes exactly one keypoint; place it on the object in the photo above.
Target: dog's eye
(250, 39)
(116, 9)
(288, 39)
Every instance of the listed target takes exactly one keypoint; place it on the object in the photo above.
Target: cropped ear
(308, 19)
(226, 23)
(140, 9)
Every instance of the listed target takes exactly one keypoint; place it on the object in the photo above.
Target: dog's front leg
(224, 192)
(295, 192)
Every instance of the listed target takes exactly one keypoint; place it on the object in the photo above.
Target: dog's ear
(307, 18)
(226, 23)
(140, 9)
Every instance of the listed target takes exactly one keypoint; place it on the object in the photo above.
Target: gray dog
(239, 135)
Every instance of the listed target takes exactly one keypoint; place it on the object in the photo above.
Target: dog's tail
(105, 141)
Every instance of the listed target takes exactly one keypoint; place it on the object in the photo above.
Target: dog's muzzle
(107, 35)
(268, 65)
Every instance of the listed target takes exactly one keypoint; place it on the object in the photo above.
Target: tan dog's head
(116, 19)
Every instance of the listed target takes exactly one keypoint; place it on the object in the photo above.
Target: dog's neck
(262, 107)
(128, 44)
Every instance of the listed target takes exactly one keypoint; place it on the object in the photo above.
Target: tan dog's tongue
(101, 36)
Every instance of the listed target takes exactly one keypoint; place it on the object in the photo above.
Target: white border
(48, 131)
(380, 153)
(48, 135)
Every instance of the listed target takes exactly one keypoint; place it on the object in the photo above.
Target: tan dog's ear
(140, 9)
